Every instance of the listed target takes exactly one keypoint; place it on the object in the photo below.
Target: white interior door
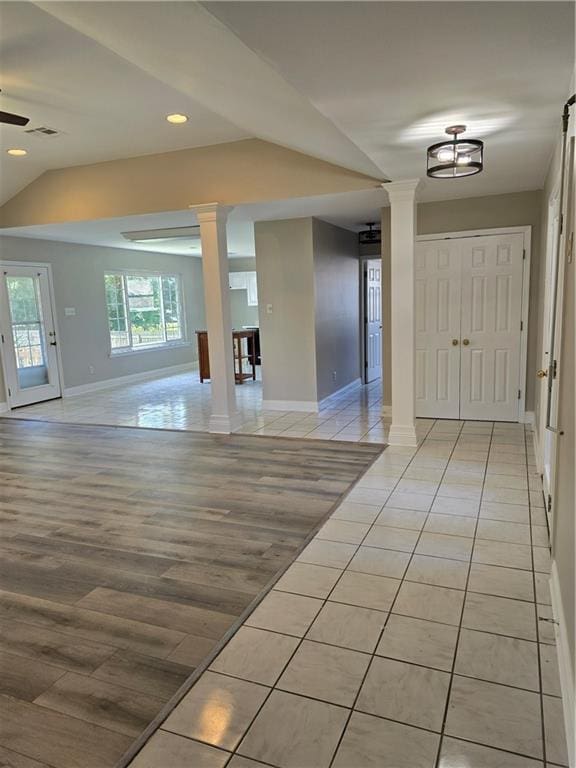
(492, 268)
(28, 337)
(373, 334)
(437, 328)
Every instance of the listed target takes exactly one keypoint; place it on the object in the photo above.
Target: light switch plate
(69, 311)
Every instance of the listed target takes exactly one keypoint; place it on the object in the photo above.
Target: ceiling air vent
(43, 132)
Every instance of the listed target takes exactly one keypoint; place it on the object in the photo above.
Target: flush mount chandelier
(454, 158)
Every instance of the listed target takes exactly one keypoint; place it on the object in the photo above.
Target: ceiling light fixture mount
(177, 118)
(456, 157)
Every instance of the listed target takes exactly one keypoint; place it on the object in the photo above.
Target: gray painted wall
(308, 271)
(285, 266)
(78, 274)
(242, 314)
(337, 309)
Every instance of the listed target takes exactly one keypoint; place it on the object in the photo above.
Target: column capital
(211, 212)
(401, 190)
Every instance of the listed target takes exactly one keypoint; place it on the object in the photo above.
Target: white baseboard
(4, 407)
(309, 406)
(402, 434)
(527, 417)
(339, 392)
(131, 378)
(565, 664)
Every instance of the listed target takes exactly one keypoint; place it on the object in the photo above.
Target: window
(144, 310)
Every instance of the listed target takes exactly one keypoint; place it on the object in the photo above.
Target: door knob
(465, 342)
(454, 342)
(542, 373)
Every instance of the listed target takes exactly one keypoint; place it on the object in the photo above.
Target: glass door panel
(29, 352)
(28, 332)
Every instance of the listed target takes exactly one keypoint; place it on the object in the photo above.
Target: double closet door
(468, 297)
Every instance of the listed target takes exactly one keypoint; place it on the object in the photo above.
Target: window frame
(131, 349)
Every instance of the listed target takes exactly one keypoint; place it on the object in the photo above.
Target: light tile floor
(180, 401)
(412, 632)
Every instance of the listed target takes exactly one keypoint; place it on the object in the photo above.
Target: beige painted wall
(286, 282)
(78, 273)
(245, 171)
(336, 288)
(510, 210)
(241, 313)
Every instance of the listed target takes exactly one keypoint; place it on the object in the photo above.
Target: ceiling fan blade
(10, 119)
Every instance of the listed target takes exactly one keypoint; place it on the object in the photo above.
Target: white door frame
(362, 305)
(48, 267)
(549, 255)
(526, 231)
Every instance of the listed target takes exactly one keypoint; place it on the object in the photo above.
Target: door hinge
(519, 394)
(521, 325)
(2, 335)
(523, 254)
(9, 392)
(561, 223)
(549, 503)
(554, 368)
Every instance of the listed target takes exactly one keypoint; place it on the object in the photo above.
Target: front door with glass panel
(29, 356)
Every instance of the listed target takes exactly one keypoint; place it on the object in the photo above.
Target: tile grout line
(536, 618)
(373, 655)
(452, 671)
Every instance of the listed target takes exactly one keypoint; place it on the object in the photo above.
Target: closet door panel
(437, 325)
(492, 269)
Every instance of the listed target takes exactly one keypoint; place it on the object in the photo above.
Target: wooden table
(244, 354)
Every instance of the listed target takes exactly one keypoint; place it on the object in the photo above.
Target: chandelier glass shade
(454, 158)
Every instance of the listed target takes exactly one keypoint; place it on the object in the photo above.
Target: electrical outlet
(91, 368)
(334, 376)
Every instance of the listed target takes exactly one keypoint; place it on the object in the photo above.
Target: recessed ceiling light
(177, 119)
(17, 152)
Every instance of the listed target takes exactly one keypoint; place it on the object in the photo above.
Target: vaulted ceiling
(364, 85)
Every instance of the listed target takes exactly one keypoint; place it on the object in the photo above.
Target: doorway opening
(372, 319)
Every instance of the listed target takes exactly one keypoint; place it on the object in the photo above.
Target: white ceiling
(366, 85)
(393, 75)
(350, 210)
(105, 106)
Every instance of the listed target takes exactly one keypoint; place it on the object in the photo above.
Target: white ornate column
(402, 195)
(212, 219)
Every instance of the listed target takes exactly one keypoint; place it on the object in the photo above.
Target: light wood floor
(126, 554)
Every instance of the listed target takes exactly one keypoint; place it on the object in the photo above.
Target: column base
(402, 434)
(221, 424)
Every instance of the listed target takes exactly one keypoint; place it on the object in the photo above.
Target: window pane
(171, 299)
(27, 331)
(116, 311)
(144, 308)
